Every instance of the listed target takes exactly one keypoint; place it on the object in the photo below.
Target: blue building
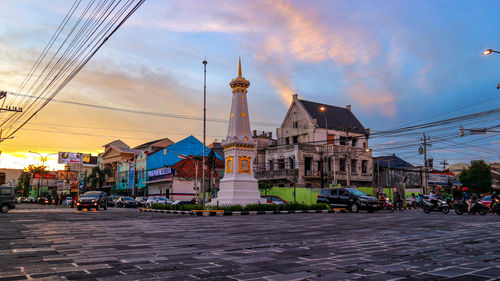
(164, 179)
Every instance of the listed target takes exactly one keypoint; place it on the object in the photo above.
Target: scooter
(477, 207)
(386, 205)
(495, 206)
(441, 206)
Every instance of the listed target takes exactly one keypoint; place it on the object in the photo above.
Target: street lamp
(44, 159)
(489, 51)
(323, 109)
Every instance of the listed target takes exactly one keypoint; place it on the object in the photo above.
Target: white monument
(239, 185)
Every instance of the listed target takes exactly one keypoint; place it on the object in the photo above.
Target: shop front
(160, 181)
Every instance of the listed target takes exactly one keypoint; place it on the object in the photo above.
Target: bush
(239, 208)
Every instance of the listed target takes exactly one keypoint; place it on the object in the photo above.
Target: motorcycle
(411, 203)
(386, 205)
(440, 206)
(495, 206)
(477, 207)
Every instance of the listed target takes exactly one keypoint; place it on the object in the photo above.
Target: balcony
(288, 174)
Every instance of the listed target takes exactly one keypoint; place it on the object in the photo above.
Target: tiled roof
(338, 118)
(392, 160)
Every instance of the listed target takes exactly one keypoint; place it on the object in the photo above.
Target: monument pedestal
(238, 191)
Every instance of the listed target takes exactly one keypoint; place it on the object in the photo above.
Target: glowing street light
(489, 51)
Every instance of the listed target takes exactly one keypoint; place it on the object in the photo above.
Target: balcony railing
(277, 174)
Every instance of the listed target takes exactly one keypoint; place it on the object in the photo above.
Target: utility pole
(204, 126)
(423, 150)
(444, 163)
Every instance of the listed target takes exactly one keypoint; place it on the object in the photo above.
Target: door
(334, 198)
(343, 198)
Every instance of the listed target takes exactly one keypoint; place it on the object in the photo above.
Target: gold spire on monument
(239, 84)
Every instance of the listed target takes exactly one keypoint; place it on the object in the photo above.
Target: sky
(395, 62)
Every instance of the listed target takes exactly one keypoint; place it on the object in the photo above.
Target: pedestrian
(466, 199)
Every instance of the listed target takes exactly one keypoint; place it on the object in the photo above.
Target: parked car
(29, 200)
(93, 199)
(126, 202)
(42, 200)
(68, 201)
(19, 200)
(7, 199)
(141, 201)
(112, 200)
(157, 200)
(486, 201)
(349, 198)
(271, 199)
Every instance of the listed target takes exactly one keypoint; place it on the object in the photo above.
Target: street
(124, 244)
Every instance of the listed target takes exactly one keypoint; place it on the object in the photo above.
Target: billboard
(69, 158)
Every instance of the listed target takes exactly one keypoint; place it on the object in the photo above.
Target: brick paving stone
(291, 276)
(49, 243)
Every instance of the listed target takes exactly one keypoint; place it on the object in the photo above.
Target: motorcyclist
(432, 198)
(494, 199)
(466, 199)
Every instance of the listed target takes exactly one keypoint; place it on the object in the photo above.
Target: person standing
(466, 199)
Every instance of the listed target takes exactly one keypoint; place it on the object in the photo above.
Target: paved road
(124, 244)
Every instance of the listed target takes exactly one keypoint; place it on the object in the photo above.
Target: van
(7, 199)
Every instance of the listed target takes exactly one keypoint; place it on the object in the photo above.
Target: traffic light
(461, 130)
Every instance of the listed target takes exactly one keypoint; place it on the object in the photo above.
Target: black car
(42, 200)
(93, 199)
(126, 202)
(349, 198)
(7, 199)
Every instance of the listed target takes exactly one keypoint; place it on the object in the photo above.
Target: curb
(234, 213)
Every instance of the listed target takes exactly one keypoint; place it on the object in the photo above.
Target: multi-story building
(316, 144)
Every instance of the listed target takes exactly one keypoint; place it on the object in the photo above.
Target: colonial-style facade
(316, 144)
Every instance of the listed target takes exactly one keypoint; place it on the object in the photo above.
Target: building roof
(152, 143)
(189, 146)
(117, 143)
(392, 160)
(338, 118)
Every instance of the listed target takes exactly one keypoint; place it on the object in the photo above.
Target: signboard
(161, 173)
(439, 179)
(131, 177)
(45, 176)
(67, 175)
(86, 158)
(69, 158)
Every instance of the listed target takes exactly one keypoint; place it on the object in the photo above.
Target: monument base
(238, 191)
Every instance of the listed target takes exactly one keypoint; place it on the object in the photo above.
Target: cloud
(374, 100)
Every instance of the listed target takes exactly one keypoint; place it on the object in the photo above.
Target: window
(364, 166)
(331, 139)
(287, 141)
(308, 165)
(281, 164)
(354, 169)
(5, 191)
(364, 144)
(291, 163)
(271, 165)
(354, 142)
(295, 124)
(343, 140)
(342, 164)
(295, 139)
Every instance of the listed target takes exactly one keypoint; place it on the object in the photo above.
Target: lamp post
(323, 109)
(44, 159)
(204, 127)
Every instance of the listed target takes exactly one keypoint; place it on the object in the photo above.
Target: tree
(478, 177)
(36, 169)
(265, 186)
(23, 184)
(97, 178)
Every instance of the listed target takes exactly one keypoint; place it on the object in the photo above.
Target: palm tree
(97, 178)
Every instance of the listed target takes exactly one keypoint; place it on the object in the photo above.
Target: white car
(157, 200)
